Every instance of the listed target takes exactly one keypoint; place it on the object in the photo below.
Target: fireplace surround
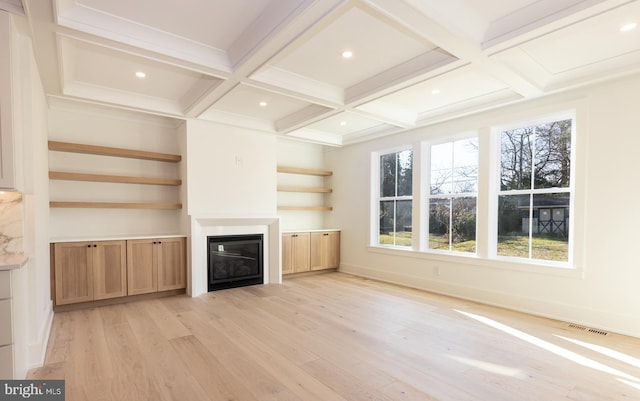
(203, 226)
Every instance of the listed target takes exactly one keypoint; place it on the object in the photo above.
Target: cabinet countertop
(13, 261)
(112, 238)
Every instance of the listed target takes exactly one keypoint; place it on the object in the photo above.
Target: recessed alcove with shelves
(308, 189)
(114, 152)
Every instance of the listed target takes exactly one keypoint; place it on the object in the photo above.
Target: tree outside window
(534, 200)
(395, 198)
(453, 195)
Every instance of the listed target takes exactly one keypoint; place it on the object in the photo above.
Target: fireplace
(234, 261)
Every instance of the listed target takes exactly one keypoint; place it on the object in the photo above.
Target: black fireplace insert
(234, 261)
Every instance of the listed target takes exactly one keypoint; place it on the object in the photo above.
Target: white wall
(602, 292)
(78, 123)
(31, 294)
(230, 171)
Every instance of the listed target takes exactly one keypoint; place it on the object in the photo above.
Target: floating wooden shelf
(305, 189)
(305, 171)
(117, 152)
(114, 205)
(306, 208)
(59, 175)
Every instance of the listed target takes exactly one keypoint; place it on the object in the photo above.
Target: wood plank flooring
(332, 337)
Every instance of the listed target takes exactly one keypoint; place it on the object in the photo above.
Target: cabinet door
(295, 253)
(172, 272)
(287, 253)
(333, 249)
(300, 255)
(109, 269)
(73, 272)
(142, 271)
(325, 250)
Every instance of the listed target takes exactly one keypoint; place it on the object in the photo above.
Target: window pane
(405, 173)
(439, 223)
(441, 168)
(386, 222)
(553, 155)
(550, 239)
(403, 223)
(516, 159)
(513, 225)
(463, 224)
(465, 166)
(388, 175)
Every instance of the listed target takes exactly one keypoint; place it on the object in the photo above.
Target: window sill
(507, 264)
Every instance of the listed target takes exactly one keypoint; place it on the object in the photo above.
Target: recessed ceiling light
(347, 54)
(140, 74)
(343, 123)
(263, 104)
(435, 91)
(628, 27)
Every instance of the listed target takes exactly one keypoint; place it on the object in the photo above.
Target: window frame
(376, 197)
(496, 191)
(426, 195)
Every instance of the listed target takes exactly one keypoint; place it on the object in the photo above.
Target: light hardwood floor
(332, 337)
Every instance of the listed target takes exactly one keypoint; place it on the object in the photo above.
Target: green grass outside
(544, 247)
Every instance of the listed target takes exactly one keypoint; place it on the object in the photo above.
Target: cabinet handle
(159, 242)
(154, 242)
(89, 246)
(95, 246)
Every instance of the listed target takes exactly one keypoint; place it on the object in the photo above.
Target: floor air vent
(588, 329)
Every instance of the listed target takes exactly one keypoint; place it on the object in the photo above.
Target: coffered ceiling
(277, 65)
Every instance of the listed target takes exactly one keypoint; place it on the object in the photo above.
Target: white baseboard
(38, 350)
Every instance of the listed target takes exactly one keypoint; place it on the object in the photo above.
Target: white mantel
(208, 225)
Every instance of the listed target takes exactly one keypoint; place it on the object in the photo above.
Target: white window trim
(425, 193)
(375, 198)
(494, 179)
(487, 213)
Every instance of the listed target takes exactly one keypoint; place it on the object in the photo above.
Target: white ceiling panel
(217, 23)
(455, 87)
(345, 123)
(377, 45)
(258, 103)
(591, 42)
(100, 70)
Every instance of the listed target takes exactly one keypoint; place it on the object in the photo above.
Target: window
(395, 198)
(453, 187)
(534, 196)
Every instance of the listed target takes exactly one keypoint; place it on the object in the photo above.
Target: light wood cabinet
(295, 252)
(156, 265)
(310, 251)
(172, 265)
(88, 271)
(325, 250)
(142, 267)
